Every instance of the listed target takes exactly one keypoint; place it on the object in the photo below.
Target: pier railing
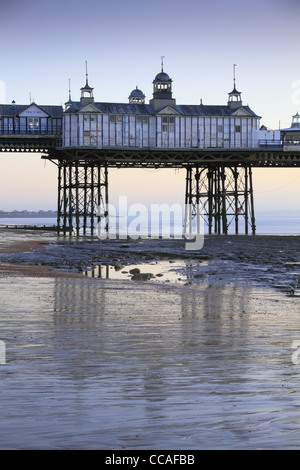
(24, 132)
(275, 144)
(29, 142)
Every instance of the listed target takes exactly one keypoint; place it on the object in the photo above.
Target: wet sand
(26, 241)
(200, 360)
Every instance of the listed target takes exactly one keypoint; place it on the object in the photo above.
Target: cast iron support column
(82, 197)
(224, 195)
(59, 197)
(192, 200)
(253, 226)
(223, 201)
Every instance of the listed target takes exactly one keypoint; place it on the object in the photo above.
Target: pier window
(8, 125)
(139, 133)
(56, 126)
(171, 123)
(112, 129)
(33, 124)
(165, 124)
(119, 139)
(145, 123)
(237, 128)
(139, 121)
(168, 123)
(43, 128)
(23, 126)
(112, 120)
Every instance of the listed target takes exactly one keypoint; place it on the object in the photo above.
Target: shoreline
(260, 260)
(11, 245)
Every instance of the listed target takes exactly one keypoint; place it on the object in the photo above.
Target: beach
(142, 344)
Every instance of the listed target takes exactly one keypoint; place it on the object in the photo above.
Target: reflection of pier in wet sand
(159, 365)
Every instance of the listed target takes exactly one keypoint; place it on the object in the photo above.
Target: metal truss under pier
(222, 195)
(218, 181)
(179, 158)
(82, 197)
(219, 184)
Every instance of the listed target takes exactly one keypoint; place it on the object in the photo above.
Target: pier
(218, 146)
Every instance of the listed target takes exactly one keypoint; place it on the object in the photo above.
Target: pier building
(162, 123)
(30, 127)
(30, 119)
(290, 137)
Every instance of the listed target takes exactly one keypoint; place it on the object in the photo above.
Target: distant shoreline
(27, 215)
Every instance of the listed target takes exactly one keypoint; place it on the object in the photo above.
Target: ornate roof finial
(69, 90)
(86, 73)
(234, 66)
(162, 62)
(234, 101)
(86, 91)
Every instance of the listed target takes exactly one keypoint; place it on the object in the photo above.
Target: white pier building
(162, 123)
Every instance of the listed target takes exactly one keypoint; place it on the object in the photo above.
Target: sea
(141, 224)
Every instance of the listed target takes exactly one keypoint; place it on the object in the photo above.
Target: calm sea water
(267, 223)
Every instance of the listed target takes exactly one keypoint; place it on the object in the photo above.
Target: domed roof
(86, 88)
(136, 93)
(296, 120)
(234, 92)
(162, 77)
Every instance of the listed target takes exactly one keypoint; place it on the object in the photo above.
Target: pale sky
(44, 44)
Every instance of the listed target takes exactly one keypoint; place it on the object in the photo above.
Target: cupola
(234, 97)
(162, 90)
(296, 120)
(86, 91)
(136, 96)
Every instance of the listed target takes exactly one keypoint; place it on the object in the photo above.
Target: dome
(162, 77)
(136, 93)
(296, 120)
(136, 96)
(86, 88)
(234, 92)
(162, 90)
(68, 103)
